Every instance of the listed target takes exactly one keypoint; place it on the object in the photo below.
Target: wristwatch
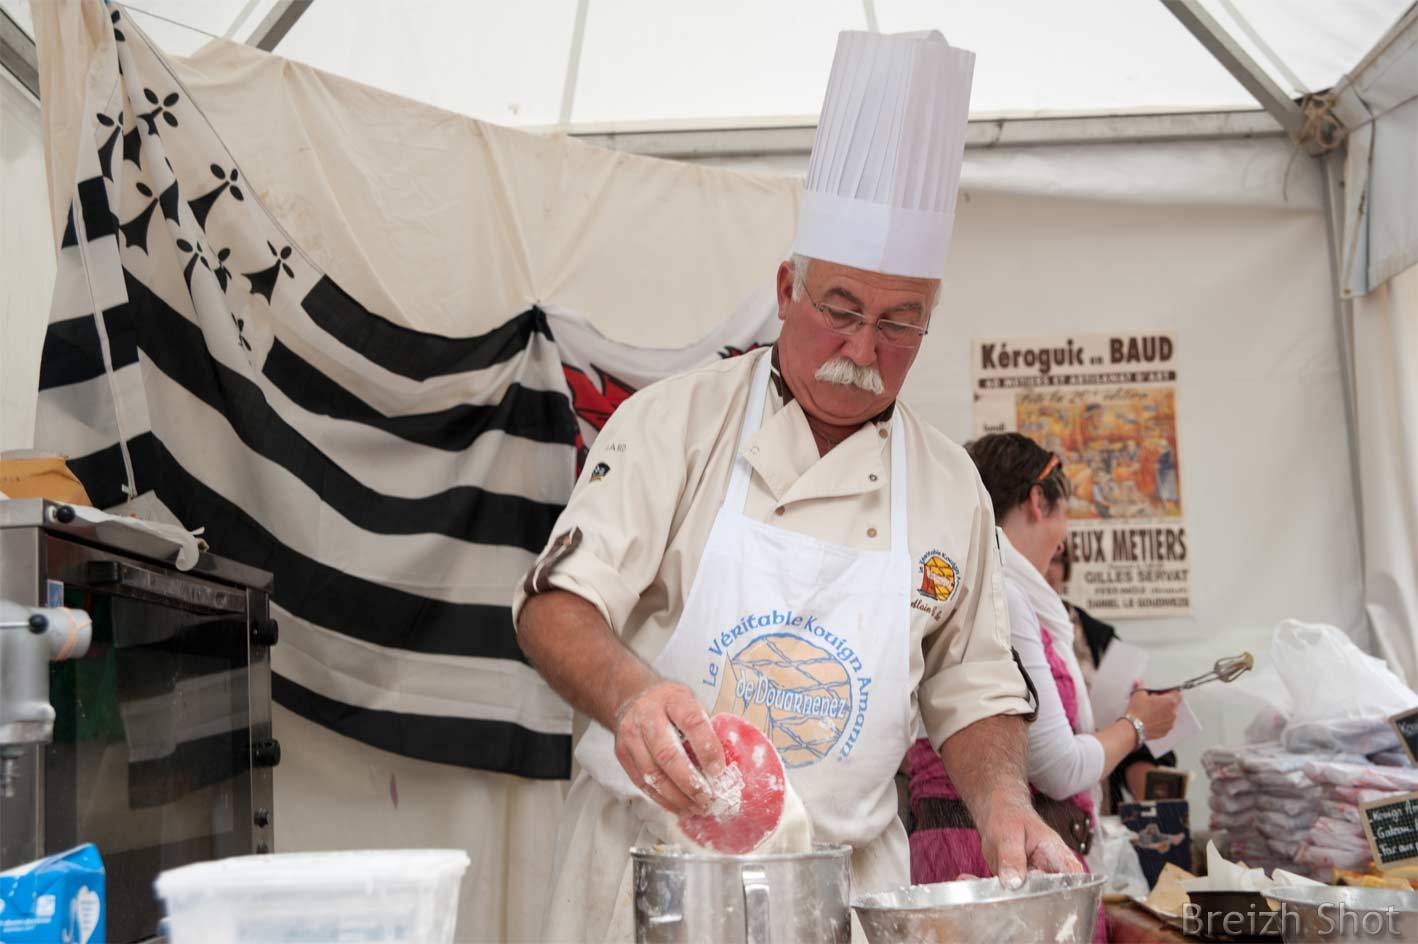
(1137, 729)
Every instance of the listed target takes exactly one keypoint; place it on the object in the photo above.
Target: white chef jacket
(649, 491)
(655, 478)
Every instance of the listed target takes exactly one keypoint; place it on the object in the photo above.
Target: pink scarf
(928, 776)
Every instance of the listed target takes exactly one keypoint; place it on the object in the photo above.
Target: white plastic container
(385, 896)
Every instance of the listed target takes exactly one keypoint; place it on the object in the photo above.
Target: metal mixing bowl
(1346, 914)
(1046, 909)
(684, 897)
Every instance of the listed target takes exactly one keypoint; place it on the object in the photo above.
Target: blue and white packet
(56, 900)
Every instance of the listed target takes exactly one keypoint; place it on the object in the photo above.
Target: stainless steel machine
(157, 744)
(30, 639)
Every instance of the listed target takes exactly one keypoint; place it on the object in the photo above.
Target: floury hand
(648, 730)
(652, 720)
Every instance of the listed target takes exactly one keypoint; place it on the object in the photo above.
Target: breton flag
(199, 368)
(397, 483)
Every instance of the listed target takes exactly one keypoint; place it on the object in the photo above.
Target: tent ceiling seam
(241, 19)
(1201, 24)
(1254, 36)
(278, 23)
(1388, 39)
(573, 65)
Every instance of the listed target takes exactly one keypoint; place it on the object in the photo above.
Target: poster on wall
(1107, 405)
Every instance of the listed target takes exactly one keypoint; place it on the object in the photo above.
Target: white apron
(810, 642)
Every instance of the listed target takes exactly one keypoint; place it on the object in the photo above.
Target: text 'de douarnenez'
(1392, 825)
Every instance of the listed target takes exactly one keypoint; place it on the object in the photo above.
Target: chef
(778, 537)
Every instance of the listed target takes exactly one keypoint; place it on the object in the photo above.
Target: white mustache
(841, 370)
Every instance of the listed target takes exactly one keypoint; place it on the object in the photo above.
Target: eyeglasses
(894, 333)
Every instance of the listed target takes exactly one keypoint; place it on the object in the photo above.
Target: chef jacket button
(778, 510)
(872, 476)
(871, 532)
(881, 431)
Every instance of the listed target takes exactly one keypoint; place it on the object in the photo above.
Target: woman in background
(1067, 757)
(1091, 638)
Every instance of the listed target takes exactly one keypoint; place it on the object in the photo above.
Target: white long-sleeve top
(1061, 763)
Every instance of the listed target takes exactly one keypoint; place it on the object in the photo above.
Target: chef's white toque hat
(885, 167)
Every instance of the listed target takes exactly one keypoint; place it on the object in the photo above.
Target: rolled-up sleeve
(970, 673)
(608, 543)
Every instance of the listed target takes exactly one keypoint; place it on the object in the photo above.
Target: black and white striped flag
(397, 483)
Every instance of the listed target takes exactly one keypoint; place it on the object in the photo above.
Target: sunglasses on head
(1049, 467)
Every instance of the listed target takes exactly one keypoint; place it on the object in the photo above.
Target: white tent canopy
(593, 64)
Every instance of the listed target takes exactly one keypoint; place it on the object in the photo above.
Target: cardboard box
(1163, 828)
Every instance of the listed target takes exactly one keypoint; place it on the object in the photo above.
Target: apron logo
(600, 471)
(798, 682)
(939, 576)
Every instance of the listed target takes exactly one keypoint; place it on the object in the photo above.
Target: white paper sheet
(1122, 665)
(1224, 876)
(168, 541)
(1187, 725)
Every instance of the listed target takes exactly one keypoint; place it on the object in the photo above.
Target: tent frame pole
(277, 24)
(1224, 48)
(1331, 167)
(17, 54)
(796, 139)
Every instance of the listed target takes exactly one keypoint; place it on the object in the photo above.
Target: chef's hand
(1014, 840)
(648, 744)
(1156, 712)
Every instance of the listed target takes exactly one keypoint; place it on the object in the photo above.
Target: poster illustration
(1107, 406)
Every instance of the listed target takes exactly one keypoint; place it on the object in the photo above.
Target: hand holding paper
(1187, 725)
(1113, 685)
(1158, 713)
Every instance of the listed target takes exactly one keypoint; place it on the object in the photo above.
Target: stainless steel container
(1047, 909)
(1346, 914)
(683, 897)
(162, 749)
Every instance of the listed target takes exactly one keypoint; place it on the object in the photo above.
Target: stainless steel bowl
(686, 897)
(1331, 913)
(1047, 909)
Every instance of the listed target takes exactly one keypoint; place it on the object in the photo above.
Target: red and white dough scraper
(748, 795)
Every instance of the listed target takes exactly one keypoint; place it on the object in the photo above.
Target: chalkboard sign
(1392, 828)
(1406, 724)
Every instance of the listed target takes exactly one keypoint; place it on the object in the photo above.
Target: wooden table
(1130, 924)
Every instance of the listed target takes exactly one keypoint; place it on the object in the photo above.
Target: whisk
(1225, 670)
